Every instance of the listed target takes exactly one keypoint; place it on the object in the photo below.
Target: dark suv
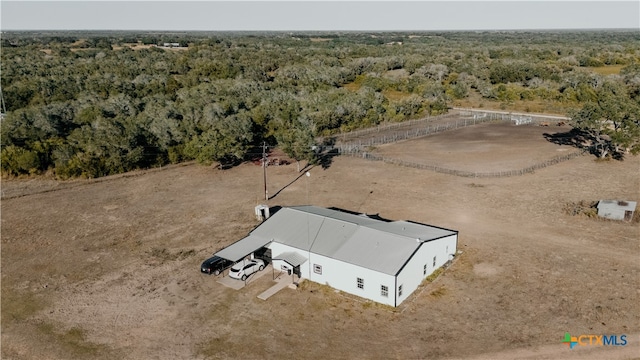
(215, 265)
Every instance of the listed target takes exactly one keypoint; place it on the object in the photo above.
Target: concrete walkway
(281, 282)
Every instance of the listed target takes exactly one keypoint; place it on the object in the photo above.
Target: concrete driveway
(239, 284)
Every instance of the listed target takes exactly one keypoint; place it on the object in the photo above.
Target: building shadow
(371, 216)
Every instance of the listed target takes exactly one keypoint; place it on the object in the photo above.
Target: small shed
(616, 209)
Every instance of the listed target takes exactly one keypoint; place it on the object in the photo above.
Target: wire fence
(382, 128)
(389, 133)
(388, 137)
(515, 118)
(386, 134)
(464, 173)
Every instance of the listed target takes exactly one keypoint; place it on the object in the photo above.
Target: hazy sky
(318, 15)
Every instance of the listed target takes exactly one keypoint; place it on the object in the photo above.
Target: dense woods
(94, 104)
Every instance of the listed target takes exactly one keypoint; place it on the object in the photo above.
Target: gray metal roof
(371, 243)
(617, 204)
(243, 247)
(292, 258)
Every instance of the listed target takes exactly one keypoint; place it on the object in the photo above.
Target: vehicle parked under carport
(243, 269)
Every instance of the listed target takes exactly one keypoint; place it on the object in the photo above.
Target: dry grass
(439, 292)
(395, 95)
(434, 275)
(475, 100)
(72, 342)
(123, 256)
(355, 85)
(607, 70)
(18, 306)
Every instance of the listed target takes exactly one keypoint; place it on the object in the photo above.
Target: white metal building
(616, 210)
(384, 261)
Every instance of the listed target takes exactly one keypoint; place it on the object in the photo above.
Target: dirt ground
(481, 148)
(109, 269)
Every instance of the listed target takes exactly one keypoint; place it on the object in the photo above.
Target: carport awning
(292, 258)
(241, 248)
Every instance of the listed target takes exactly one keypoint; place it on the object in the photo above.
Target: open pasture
(110, 269)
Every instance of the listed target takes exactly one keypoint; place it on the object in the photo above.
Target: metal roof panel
(241, 248)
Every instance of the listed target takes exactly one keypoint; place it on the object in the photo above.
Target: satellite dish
(308, 174)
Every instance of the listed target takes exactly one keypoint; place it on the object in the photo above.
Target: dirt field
(110, 269)
(481, 148)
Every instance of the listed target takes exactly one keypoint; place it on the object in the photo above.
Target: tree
(296, 140)
(612, 122)
(227, 140)
(16, 160)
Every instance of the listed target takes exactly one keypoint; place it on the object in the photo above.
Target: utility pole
(4, 109)
(264, 169)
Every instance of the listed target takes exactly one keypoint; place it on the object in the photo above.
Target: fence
(416, 133)
(462, 173)
(345, 136)
(465, 117)
(463, 114)
(514, 117)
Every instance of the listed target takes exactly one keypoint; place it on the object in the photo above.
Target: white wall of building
(344, 277)
(413, 273)
(277, 249)
(611, 213)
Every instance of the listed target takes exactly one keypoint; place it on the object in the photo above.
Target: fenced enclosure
(387, 137)
(352, 136)
(516, 118)
(463, 173)
(359, 143)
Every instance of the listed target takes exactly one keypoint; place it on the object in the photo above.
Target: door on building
(628, 215)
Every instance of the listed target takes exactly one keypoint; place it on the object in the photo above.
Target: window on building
(384, 290)
(400, 290)
(360, 283)
(434, 261)
(317, 269)
(424, 269)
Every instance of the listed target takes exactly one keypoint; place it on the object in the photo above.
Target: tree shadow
(326, 152)
(326, 159)
(575, 137)
(584, 140)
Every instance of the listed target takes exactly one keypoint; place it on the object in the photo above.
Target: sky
(327, 15)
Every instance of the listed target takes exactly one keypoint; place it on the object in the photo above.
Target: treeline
(93, 104)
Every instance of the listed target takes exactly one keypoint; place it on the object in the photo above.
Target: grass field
(607, 70)
(110, 269)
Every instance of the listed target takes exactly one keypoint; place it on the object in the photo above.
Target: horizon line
(329, 31)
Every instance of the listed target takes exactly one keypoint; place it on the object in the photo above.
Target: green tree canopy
(613, 121)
